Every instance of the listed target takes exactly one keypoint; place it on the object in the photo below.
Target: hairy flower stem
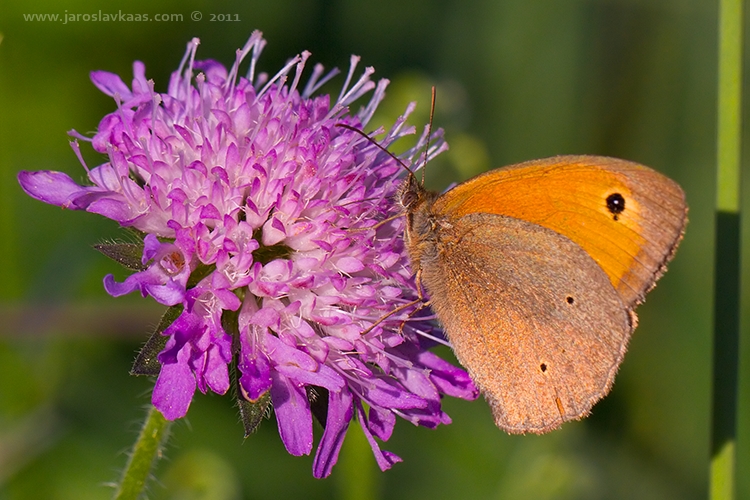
(143, 457)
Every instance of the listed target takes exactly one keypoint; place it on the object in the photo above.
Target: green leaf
(146, 362)
(252, 412)
(127, 254)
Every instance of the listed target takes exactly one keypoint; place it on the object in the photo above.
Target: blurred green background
(516, 80)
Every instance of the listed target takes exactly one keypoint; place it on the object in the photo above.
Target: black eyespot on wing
(569, 299)
(543, 367)
(615, 204)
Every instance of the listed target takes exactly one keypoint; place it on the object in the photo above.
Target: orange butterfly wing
(627, 217)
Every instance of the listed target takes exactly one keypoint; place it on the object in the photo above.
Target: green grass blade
(727, 264)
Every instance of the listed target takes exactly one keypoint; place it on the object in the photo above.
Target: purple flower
(268, 225)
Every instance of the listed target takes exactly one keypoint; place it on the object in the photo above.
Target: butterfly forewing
(627, 217)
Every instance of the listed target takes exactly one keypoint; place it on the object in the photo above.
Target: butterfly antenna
(429, 133)
(377, 144)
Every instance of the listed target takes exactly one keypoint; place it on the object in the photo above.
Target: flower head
(267, 226)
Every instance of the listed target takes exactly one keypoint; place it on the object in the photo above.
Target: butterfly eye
(408, 198)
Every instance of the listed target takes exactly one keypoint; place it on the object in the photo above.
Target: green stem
(357, 474)
(145, 452)
(727, 264)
